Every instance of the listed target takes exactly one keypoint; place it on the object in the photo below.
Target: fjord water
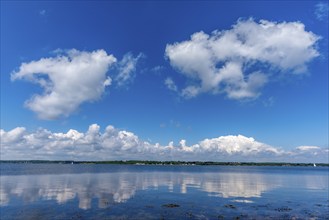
(95, 191)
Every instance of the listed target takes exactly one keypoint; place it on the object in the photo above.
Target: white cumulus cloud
(236, 144)
(115, 144)
(68, 80)
(239, 61)
(12, 136)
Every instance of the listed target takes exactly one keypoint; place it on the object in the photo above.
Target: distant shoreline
(148, 162)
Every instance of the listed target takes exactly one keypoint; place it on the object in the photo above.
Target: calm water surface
(58, 191)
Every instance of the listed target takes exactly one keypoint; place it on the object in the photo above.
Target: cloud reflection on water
(118, 187)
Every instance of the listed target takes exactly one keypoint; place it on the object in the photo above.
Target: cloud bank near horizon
(115, 144)
(240, 61)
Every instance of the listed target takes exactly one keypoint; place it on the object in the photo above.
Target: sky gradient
(222, 81)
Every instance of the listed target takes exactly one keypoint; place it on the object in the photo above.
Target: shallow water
(78, 191)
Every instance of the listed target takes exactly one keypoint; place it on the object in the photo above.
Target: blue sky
(163, 72)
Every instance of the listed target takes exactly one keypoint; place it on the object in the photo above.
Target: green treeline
(151, 162)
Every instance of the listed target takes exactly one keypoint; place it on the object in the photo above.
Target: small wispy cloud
(171, 124)
(126, 68)
(321, 11)
(269, 102)
(157, 69)
(307, 148)
(43, 12)
(170, 84)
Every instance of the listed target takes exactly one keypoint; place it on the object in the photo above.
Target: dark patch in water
(170, 205)
(283, 209)
(230, 206)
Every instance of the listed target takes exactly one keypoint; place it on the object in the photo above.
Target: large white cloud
(114, 144)
(72, 78)
(241, 60)
(68, 80)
